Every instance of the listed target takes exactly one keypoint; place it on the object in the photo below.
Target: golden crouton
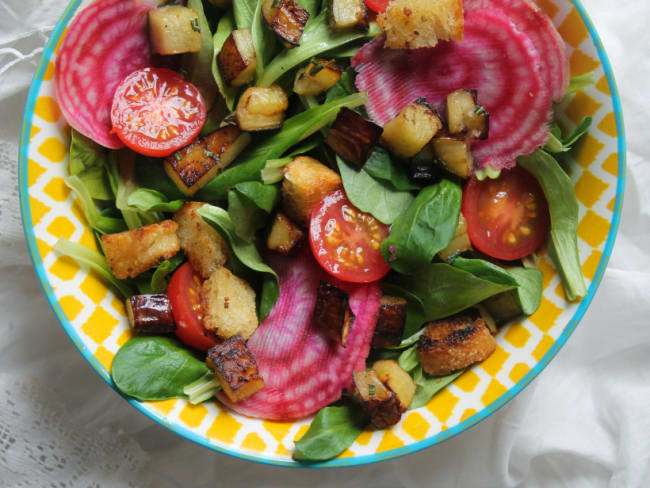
(396, 379)
(236, 369)
(228, 304)
(132, 252)
(411, 24)
(454, 343)
(306, 182)
(204, 247)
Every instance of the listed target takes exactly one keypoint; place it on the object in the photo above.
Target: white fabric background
(584, 422)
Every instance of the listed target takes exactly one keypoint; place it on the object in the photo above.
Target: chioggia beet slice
(303, 368)
(107, 41)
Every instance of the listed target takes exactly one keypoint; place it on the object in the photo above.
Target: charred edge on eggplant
(352, 137)
(390, 322)
(284, 235)
(466, 116)
(348, 14)
(381, 404)
(396, 379)
(408, 133)
(287, 20)
(455, 154)
(332, 312)
(150, 314)
(318, 76)
(237, 59)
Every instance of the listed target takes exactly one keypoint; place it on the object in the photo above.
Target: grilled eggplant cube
(287, 20)
(261, 108)
(194, 165)
(396, 379)
(315, 78)
(174, 29)
(466, 116)
(454, 343)
(332, 312)
(150, 314)
(455, 154)
(284, 235)
(348, 14)
(352, 137)
(135, 251)
(237, 59)
(235, 368)
(306, 182)
(459, 243)
(409, 132)
(390, 322)
(381, 404)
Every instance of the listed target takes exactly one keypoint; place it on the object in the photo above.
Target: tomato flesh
(155, 111)
(507, 217)
(345, 240)
(184, 292)
(378, 6)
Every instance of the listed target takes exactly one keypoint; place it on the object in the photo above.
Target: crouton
(261, 108)
(454, 343)
(306, 182)
(284, 235)
(204, 247)
(411, 24)
(132, 252)
(235, 368)
(174, 29)
(381, 404)
(228, 304)
(396, 379)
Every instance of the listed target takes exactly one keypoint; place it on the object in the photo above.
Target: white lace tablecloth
(584, 422)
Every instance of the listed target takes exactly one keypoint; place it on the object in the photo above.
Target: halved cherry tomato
(184, 292)
(507, 218)
(378, 6)
(345, 241)
(155, 111)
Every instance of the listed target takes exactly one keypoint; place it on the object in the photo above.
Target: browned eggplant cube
(237, 59)
(396, 379)
(408, 133)
(332, 312)
(318, 76)
(466, 116)
(390, 322)
(150, 314)
(236, 369)
(348, 14)
(456, 155)
(287, 20)
(381, 404)
(352, 137)
(284, 235)
(261, 108)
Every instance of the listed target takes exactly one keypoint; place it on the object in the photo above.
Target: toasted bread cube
(404, 27)
(466, 116)
(261, 108)
(408, 133)
(132, 252)
(284, 235)
(150, 313)
(397, 380)
(455, 154)
(192, 167)
(348, 14)
(287, 19)
(237, 59)
(235, 368)
(228, 304)
(352, 137)
(381, 404)
(306, 182)
(454, 343)
(390, 322)
(332, 313)
(204, 247)
(459, 243)
(315, 78)
(174, 29)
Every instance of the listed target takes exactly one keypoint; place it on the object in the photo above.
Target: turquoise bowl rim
(344, 462)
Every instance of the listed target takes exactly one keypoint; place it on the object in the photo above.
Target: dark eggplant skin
(289, 22)
(332, 312)
(390, 322)
(380, 403)
(150, 314)
(352, 137)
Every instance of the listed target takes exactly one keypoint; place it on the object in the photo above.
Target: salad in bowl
(318, 213)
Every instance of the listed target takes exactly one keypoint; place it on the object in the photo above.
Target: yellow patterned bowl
(95, 319)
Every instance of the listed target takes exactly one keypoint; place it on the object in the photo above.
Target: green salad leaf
(244, 11)
(87, 160)
(246, 217)
(149, 173)
(428, 386)
(373, 196)
(408, 359)
(563, 209)
(332, 431)
(485, 270)
(529, 288)
(263, 38)
(263, 196)
(224, 28)
(148, 200)
(557, 144)
(581, 82)
(164, 269)
(155, 368)
(428, 226)
(381, 167)
(101, 223)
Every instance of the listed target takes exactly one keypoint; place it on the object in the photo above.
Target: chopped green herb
(178, 156)
(371, 389)
(195, 25)
(317, 67)
(480, 110)
(210, 154)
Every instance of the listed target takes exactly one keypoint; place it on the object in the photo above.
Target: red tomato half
(345, 241)
(184, 292)
(507, 218)
(378, 6)
(155, 111)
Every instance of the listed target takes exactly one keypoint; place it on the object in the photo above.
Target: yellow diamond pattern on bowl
(192, 415)
(495, 362)
(97, 315)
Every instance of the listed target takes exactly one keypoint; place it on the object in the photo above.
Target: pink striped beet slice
(495, 58)
(303, 369)
(107, 41)
(533, 21)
